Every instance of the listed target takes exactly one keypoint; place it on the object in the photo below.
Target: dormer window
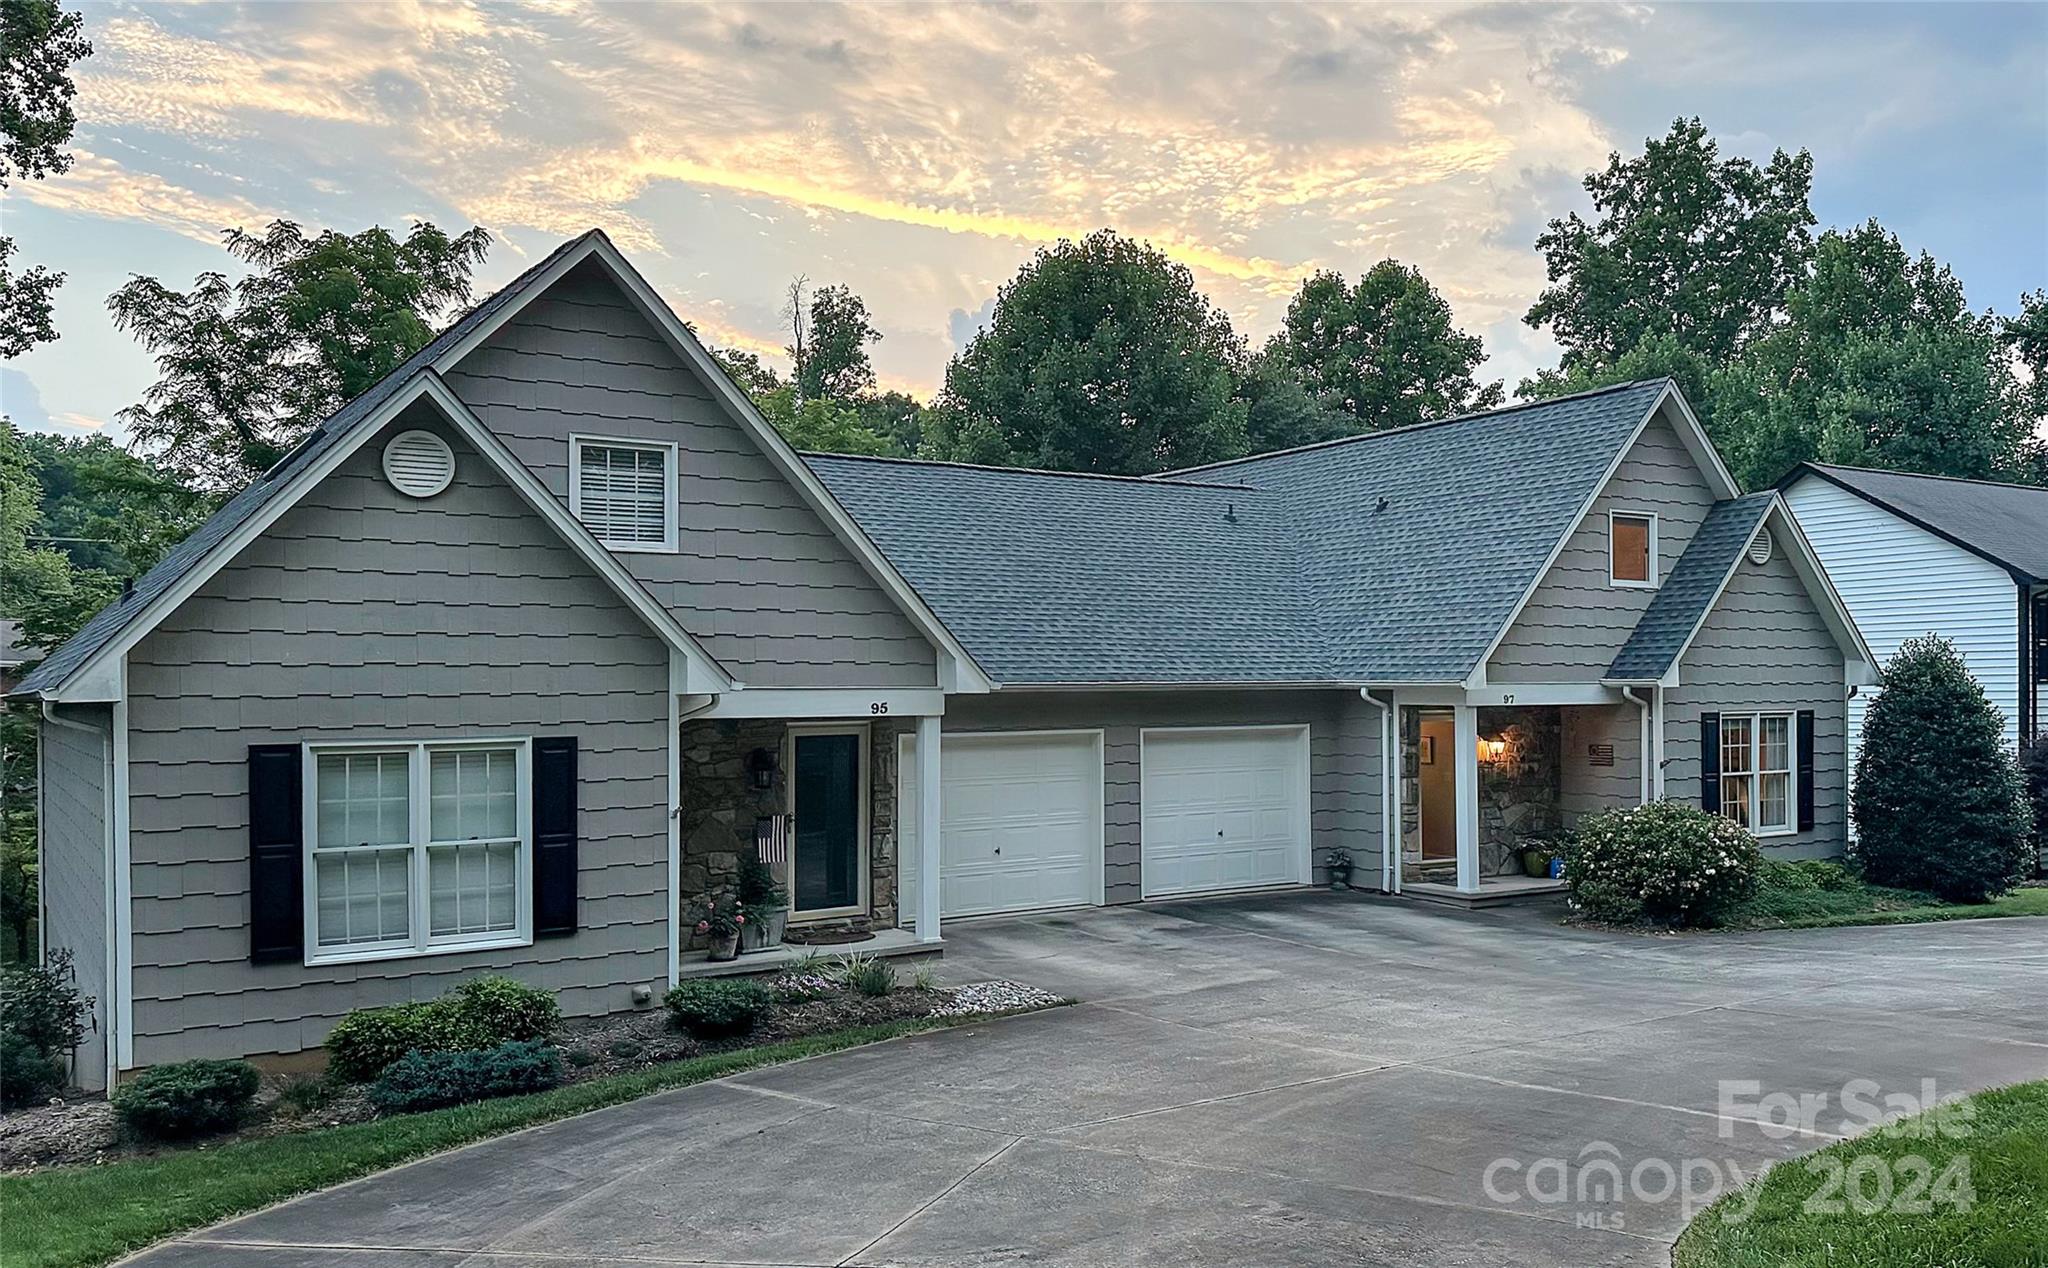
(624, 491)
(1632, 549)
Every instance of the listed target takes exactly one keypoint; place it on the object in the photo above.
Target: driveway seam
(936, 1199)
(556, 1256)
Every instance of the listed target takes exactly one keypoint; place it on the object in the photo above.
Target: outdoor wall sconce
(761, 769)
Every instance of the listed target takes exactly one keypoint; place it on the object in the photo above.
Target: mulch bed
(83, 1129)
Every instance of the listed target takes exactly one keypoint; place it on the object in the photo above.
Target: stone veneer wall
(720, 804)
(1518, 795)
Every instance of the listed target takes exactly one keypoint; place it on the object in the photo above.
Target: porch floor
(1494, 891)
(886, 944)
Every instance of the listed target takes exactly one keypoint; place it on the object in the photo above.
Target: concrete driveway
(1300, 1079)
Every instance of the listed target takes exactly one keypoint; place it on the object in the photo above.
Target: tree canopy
(1102, 356)
(1385, 350)
(831, 351)
(39, 41)
(247, 367)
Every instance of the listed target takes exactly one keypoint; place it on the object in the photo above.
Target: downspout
(1390, 875)
(1657, 742)
(1642, 707)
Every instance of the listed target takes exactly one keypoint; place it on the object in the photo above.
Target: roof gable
(2004, 523)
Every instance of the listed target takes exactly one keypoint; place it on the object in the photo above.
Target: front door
(826, 800)
(1438, 781)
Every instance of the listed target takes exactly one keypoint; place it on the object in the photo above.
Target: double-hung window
(417, 848)
(1757, 771)
(624, 492)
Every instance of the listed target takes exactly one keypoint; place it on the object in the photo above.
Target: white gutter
(1642, 707)
(1390, 873)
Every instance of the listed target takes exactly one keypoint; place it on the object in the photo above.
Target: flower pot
(1536, 863)
(763, 932)
(725, 946)
(1340, 878)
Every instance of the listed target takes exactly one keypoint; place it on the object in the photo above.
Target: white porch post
(1465, 723)
(928, 820)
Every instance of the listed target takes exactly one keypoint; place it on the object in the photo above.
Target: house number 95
(878, 707)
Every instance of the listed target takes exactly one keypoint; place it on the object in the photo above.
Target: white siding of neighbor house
(760, 580)
(364, 614)
(1900, 581)
(1575, 621)
(76, 770)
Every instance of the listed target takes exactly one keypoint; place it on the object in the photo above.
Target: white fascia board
(702, 670)
(863, 703)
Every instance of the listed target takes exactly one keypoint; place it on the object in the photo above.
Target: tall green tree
(105, 508)
(1685, 243)
(39, 41)
(830, 348)
(247, 367)
(1280, 413)
(1102, 356)
(1385, 351)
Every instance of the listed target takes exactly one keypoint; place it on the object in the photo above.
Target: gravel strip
(995, 997)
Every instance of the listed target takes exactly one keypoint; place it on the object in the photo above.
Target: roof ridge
(1155, 481)
(1925, 475)
(1415, 427)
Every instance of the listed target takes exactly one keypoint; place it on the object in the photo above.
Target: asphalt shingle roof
(1395, 557)
(1681, 603)
(111, 620)
(2005, 523)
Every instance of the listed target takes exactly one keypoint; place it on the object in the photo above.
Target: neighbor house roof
(110, 621)
(1683, 601)
(2004, 523)
(1393, 557)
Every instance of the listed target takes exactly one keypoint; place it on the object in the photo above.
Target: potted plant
(1540, 856)
(764, 903)
(1340, 869)
(721, 919)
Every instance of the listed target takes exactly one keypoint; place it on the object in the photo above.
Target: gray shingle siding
(1344, 783)
(760, 579)
(1584, 788)
(1765, 647)
(1575, 621)
(1688, 591)
(73, 868)
(362, 614)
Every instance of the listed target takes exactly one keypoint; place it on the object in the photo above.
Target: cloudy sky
(919, 154)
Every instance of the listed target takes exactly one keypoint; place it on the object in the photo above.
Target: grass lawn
(89, 1215)
(1780, 907)
(2005, 1143)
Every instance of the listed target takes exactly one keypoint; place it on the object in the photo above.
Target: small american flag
(771, 838)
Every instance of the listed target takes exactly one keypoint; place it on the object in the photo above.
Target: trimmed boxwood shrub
(1939, 802)
(718, 1008)
(27, 1073)
(189, 1098)
(481, 1013)
(431, 1080)
(1664, 862)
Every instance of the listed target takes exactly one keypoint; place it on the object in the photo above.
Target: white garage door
(1224, 809)
(1023, 822)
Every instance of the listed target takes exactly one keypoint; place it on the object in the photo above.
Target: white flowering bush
(1664, 862)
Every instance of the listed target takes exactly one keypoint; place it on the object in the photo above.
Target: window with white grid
(417, 848)
(624, 492)
(1757, 771)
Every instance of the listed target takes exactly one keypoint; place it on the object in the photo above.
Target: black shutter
(554, 836)
(1805, 761)
(277, 869)
(1710, 763)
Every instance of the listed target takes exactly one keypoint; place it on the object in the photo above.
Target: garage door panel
(1222, 809)
(1023, 822)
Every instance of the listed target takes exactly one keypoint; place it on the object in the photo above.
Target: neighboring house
(13, 654)
(1913, 555)
(507, 663)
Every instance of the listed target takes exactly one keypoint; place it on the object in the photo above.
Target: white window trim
(1621, 512)
(670, 458)
(420, 945)
(865, 872)
(1756, 772)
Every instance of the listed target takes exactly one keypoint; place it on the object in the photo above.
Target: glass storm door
(826, 800)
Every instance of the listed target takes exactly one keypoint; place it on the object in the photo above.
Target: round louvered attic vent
(1760, 549)
(418, 463)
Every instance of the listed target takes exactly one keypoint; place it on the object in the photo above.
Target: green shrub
(27, 1073)
(189, 1098)
(580, 1057)
(481, 1013)
(1939, 802)
(870, 975)
(308, 1093)
(718, 1008)
(431, 1080)
(41, 1003)
(2034, 769)
(1664, 862)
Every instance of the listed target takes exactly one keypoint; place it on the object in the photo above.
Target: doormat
(825, 937)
